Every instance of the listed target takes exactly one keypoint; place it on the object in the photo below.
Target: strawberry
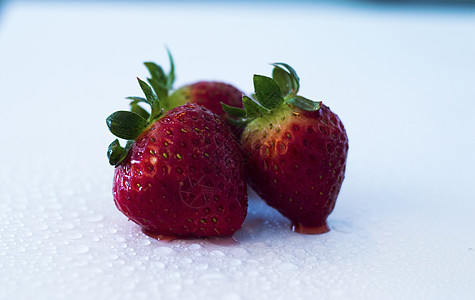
(208, 94)
(296, 147)
(181, 173)
(205, 93)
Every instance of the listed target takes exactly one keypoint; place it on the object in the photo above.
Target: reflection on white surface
(401, 83)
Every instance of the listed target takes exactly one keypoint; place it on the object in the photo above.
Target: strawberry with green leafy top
(296, 147)
(181, 172)
(209, 94)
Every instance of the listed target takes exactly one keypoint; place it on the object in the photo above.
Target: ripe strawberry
(181, 173)
(297, 150)
(209, 94)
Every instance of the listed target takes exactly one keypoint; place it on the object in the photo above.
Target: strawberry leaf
(116, 153)
(137, 99)
(171, 74)
(289, 69)
(283, 80)
(125, 124)
(156, 72)
(237, 123)
(152, 99)
(136, 108)
(159, 80)
(149, 94)
(287, 83)
(233, 111)
(267, 91)
(252, 108)
(304, 103)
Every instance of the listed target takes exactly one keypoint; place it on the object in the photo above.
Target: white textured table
(402, 82)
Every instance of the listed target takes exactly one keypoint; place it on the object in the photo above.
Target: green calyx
(128, 125)
(271, 94)
(161, 83)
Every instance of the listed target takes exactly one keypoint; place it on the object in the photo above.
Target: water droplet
(212, 276)
(235, 262)
(94, 218)
(240, 252)
(194, 247)
(187, 260)
(144, 242)
(163, 250)
(119, 238)
(158, 265)
(65, 226)
(218, 253)
(231, 297)
(286, 266)
(74, 235)
(201, 266)
(80, 249)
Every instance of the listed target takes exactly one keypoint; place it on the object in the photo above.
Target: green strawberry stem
(271, 95)
(129, 125)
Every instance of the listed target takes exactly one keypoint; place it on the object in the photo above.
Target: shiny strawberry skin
(209, 94)
(297, 162)
(183, 176)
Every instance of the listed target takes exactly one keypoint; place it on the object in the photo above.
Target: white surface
(403, 84)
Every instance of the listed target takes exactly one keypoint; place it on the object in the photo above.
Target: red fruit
(182, 176)
(297, 151)
(209, 94)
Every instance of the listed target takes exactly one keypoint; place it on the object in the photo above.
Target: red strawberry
(208, 94)
(181, 173)
(297, 150)
(205, 93)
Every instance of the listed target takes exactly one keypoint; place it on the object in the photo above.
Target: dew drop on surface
(231, 297)
(120, 262)
(239, 252)
(223, 241)
(212, 276)
(73, 235)
(144, 242)
(194, 247)
(113, 256)
(65, 226)
(158, 265)
(175, 287)
(119, 238)
(218, 253)
(80, 249)
(187, 260)
(235, 262)
(42, 227)
(286, 266)
(201, 266)
(94, 218)
(163, 250)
